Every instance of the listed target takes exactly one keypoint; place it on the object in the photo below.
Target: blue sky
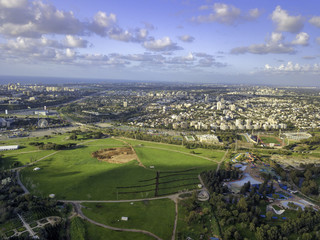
(247, 41)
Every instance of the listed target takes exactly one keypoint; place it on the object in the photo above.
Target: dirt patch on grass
(115, 155)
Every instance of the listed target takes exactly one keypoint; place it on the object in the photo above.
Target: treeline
(191, 145)
(139, 135)
(214, 180)
(76, 134)
(52, 146)
(306, 179)
(236, 215)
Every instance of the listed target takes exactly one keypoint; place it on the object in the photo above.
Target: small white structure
(9, 147)
(151, 166)
(5, 181)
(124, 218)
(199, 185)
(203, 196)
(36, 169)
(208, 138)
(52, 195)
(41, 112)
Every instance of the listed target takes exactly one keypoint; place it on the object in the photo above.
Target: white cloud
(102, 23)
(315, 20)
(254, 13)
(37, 19)
(301, 39)
(13, 3)
(290, 67)
(285, 22)
(273, 45)
(164, 44)
(70, 53)
(189, 57)
(75, 42)
(226, 14)
(142, 33)
(186, 38)
(103, 20)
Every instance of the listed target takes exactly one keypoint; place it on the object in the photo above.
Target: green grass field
(81, 230)
(156, 216)
(27, 153)
(74, 174)
(269, 139)
(214, 155)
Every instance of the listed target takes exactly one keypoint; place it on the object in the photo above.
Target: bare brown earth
(115, 155)
(295, 161)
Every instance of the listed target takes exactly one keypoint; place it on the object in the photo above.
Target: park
(152, 176)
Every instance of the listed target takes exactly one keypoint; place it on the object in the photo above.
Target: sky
(232, 41)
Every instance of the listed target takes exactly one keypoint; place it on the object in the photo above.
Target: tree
(73, 136)
(242, 204)
(252, 227)
(306, 236)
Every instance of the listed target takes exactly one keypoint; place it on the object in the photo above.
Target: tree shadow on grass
(65, 174)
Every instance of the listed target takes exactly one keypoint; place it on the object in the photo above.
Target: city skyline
(274, 42)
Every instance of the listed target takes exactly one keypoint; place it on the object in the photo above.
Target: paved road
(221, 161)
(20, 183)
(80, 213)
(27, 226)
(202, 183)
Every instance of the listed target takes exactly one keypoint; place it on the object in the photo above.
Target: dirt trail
(139, 161)
(221, 161)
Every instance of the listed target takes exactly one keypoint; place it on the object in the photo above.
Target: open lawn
(26, 152)
(163, 159)
(75, 175)
(269, 139)
(214, 155)
(81, 230)
(156, 216)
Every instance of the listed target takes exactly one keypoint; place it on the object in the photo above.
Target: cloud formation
(286, 23)
(290, 67)
(20, 18)
(75, 42)
(13, 3)
(315, 20)
(225, 14)
(274, 44)
(186, 38)
(301, 39)
(164, 44)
